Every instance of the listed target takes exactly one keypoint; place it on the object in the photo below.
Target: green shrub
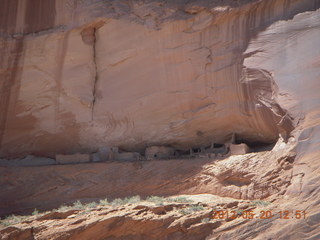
(77, 205)
(91, 205)
(12, 219)
(35, 212)
(205, 220)
(117, 202)
(260, 203)
(156, 199)
(195, 208)
(4, 223)
(180, 200)
(127, 200)
(63, 208)
(134, 199)
(184, 211)
(190, 209)
(104, 201)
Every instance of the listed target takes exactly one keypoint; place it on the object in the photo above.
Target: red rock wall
(152, 73)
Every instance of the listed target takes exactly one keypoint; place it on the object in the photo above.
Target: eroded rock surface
(132, 74)
(133, 221)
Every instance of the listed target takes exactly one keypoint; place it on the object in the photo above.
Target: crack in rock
(96, 71)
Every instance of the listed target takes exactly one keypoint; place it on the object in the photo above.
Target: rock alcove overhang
(179, 82)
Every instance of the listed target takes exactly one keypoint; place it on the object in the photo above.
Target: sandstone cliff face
(76, 75)
(287, 50)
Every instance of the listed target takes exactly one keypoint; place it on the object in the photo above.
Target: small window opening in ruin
(196, 150)
(218, 145)
(155, 155)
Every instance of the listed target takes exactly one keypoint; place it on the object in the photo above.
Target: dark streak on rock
(9, 79)
(38, 15)
(89, 37)
(96, 71)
